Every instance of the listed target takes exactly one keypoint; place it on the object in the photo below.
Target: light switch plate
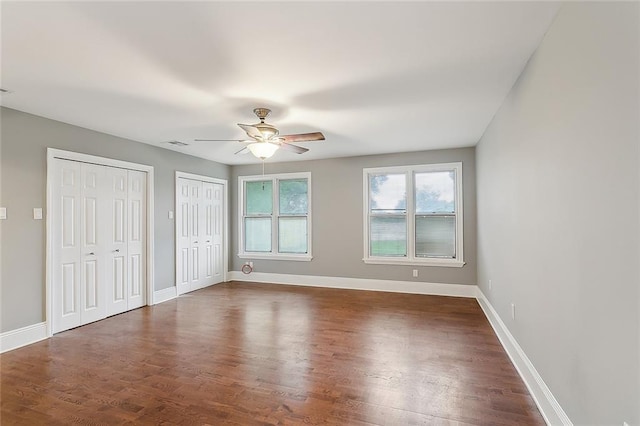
(3, 213)
(170, 214)
(37, 213)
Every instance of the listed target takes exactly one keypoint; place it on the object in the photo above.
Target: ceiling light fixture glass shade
(263, 150)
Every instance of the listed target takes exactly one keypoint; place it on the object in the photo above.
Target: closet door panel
(93, 298)
(217, 227)
(207, 231)
(136, 226)
(197, 234)
(183, 236)
(66, 203)
(116, 224)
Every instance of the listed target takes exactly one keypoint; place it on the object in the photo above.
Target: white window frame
(274, 254)
(410, 258)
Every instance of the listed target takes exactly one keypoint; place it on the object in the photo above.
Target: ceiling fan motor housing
(267, 130)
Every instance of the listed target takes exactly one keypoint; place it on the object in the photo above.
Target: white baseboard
(414, 287)
(549, 407)
(24, 336)
(165, 294)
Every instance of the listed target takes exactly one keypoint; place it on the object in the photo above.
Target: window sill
(446, 263)
(263, 256)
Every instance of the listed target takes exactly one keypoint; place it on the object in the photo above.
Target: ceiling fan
(266, 139)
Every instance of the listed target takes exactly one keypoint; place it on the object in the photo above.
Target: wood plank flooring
(253, 354)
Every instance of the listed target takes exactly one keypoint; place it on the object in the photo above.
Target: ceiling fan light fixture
(262, 150)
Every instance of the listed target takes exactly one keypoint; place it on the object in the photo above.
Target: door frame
(225, 220)
(52, 154)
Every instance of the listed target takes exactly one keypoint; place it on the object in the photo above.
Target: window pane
(292, 234)
(257, 234)
(435, 192)
(259, 197)
(293, 196)
(436, 236)
(388, 236)
(387, 193)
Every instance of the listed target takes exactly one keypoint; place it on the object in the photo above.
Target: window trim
(410, 258)
(274, 254)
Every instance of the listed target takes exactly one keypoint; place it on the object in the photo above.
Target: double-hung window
(275, 220)
(413, 215)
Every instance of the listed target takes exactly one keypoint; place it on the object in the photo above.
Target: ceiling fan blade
(244, 150)
(219, 140)
(302, 137)
(251, 130)
(294, 148)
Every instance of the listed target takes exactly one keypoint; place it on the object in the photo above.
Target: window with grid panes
(413, 215)
(276, 219)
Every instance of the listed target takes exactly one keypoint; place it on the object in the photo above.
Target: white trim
(447, 263)
(24, 336)
(270, 256)
(547, 404)
(413, 287)
(165, 294)
(274, 254)
(53, 153)
(225, 217)
(411, 258)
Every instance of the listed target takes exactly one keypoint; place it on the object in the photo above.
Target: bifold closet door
(78, 262)
(191, 239)
(199, 228)
(125, 248)
(98, 242)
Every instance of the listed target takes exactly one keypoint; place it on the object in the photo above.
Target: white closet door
(136, 229)
(66, 203)
(92, 237)
(206, 226)
(199, 234)
(217, 226)
(116, 243)
(183, 235)
(196, 238)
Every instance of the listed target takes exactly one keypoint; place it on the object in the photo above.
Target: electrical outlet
(415, 273)
(625, 424)
(37, 213)
(170, 214)
(490, 286)
(513, 311)
(3, 213)
(251, 264)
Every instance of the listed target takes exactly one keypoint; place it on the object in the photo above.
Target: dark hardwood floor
(241, 353)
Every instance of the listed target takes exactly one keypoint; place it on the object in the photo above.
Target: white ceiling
(374, 77)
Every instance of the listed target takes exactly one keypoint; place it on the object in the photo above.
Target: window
(275, 220)
(413, 215)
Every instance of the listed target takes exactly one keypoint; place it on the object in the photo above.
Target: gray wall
(558, 193)
(23, 165)
(337, 218)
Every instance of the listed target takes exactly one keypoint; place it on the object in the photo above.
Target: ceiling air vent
(178, 143)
